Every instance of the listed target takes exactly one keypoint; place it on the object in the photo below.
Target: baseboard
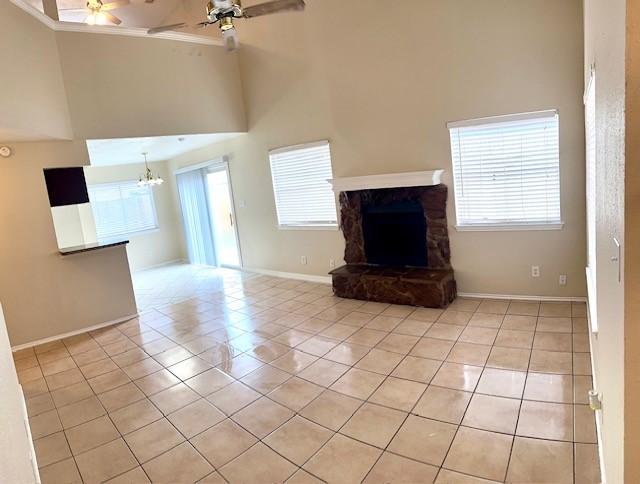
(521, 297)
(72, 333)
(290, 275)
(163, 264)
(593, 333)
(327, 280)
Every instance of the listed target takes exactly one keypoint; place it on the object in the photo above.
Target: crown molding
(60, 26)
(35, 13)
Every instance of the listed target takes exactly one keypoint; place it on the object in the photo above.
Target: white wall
(126, 87)
(605, 46)
(43, 293)
(74, 225)
(16, 450)
(81, 85)
(33, 103)
(382, 96)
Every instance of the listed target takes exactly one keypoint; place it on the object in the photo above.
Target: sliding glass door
(222, 217)
(207, 211)
(195, 214)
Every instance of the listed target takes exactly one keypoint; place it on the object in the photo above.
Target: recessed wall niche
(70, 208)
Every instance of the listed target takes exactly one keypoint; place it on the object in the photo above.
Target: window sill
(509, 227)
(129, 235)
(308, 227)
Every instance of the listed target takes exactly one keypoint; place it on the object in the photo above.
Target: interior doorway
(206, 201)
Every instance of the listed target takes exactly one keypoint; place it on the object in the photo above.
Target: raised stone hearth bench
(396, 240)
(415, 286)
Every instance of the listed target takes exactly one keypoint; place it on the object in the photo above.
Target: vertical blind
(303, 195)
(507, 169)
(121, 209)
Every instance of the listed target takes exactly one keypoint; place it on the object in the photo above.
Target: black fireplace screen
(395, 234)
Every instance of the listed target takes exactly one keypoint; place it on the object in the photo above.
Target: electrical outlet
(332, 264)
(563, 279)
(303, 260)
(535, 271)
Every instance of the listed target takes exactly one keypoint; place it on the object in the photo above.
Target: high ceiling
(124, 151)
(136, 14)
(139, 14)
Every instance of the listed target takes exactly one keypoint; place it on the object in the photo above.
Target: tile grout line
(314, 334)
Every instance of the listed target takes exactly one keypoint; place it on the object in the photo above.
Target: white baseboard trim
(163, 264)
(521, 297)
(598, 413)
(327, 280)
(73, 333)
(290, 275)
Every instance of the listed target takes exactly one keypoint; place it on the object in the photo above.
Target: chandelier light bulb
(148, 179)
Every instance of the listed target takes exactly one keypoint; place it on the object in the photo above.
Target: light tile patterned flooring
(259, 380)
(173, 283)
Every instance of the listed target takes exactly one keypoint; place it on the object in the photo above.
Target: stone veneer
(433, 286)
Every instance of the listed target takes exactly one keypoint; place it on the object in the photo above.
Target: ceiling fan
(223, 12)
(99, 12)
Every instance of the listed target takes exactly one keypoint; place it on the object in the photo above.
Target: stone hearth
(430, 283)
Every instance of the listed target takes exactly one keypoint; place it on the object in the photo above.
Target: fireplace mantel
(390, 180)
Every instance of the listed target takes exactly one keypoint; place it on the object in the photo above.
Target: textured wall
(605, 46)
(383, 95)
(43, 293)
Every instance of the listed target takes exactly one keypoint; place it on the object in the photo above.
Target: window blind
(122, 209)
(506, 170)
(302, 193)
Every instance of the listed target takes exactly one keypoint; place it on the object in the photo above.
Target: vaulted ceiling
(137, 14)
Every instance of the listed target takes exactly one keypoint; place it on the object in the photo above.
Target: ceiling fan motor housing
(221, 9)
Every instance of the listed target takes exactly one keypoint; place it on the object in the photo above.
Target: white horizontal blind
(122, 209)
(507, 170)
(303, 195)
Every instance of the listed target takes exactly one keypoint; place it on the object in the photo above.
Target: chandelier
(148, 179)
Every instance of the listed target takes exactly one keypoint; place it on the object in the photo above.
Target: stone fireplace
(396, 240)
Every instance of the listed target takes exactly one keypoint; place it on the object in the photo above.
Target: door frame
(220, 164)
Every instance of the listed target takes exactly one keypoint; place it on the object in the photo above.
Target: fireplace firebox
(395, 234)
(396, 246)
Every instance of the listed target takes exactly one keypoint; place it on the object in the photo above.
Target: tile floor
(175, 283)
(258, 380)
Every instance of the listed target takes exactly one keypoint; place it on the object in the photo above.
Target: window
(122, 209)
(303, 195)
(506, 171)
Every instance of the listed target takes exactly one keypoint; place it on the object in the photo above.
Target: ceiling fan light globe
(101, 19)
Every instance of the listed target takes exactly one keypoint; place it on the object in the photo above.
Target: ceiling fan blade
(111, 18)
(202, 25)
(164, 28)
(276, 6)
(72, 10)
(149, 1)
(112, 5)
